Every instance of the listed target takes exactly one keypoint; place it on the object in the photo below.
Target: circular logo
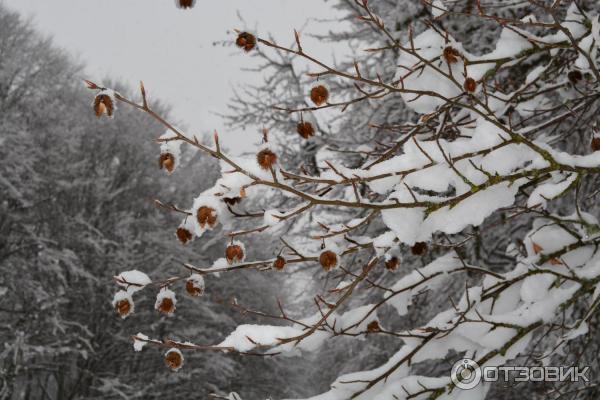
(466, 374)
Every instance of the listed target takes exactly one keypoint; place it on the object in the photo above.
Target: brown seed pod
(328, 260)
(234, 253)
(103, 103)
(575, 76)
(392, 263)
(419, 248)
(596, 144)
(174, 359)
(206, 215)
(279, 263)
(319, 95)
(470, 85)
(166, 306)
(123, 307)
(183, 235)
(194, 285)
(246, 41)
(185, 3)
(373, 326)
(266, 159)
(451, 55)
(305, 129)
(167, 161)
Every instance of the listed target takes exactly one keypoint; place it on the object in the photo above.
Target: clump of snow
(133, 280)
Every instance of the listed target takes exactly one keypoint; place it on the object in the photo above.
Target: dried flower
(305, 129)
(575, 76)
(235, 253)
(123, 303)
(246, 41)
(206, 215)
(373, 326)
(319, 95)
(184, 235)
(266, 158)
(194, 285)
(451, 55)
(165, 301)
(103, 103)
(596, 144)
(470, 85)
(419, 248)
(167, 161)
(279, 263)
(174, 359)
(392, 263)
(328, 260)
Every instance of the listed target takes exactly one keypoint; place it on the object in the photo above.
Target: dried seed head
(103, 103)
(123, 303)
(319, 95)
(596, 144)
(206, 215)
(470, 85)
(234, 253)
(246, 41)
(279, 263)
(392, 263)
(194, 285)
(451, 55)
(575, 76)
(328, 260)
(266, 158)
(123, 307)
(184, 235)
(305, 129)
(185, 3)
(167, 161)
(174, 359)
(419, 248)
(373, 326)
(165, 301)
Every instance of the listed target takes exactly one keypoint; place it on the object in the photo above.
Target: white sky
(171, 50)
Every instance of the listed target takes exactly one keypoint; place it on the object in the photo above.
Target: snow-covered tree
(438, 188)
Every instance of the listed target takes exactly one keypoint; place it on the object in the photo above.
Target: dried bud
(266, 158)
(279, 263)
(419, 248)
(596, 144)
(206, 215)
(246, 41)
(451, 55)
(319, 95)
(305, 129)
(185, 3)
(470, 85)
(184, 235)
(373, 326)
(165, 301)
(328, 260)
(194, 285)
(174, 359)
(167, 161)
(575, 76)
(234, 253)
(123, 303)
(103, 103)
(392, 263)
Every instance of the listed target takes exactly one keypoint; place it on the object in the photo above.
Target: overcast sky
(172, 50)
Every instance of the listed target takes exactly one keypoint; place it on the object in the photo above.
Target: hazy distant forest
(431, 198)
